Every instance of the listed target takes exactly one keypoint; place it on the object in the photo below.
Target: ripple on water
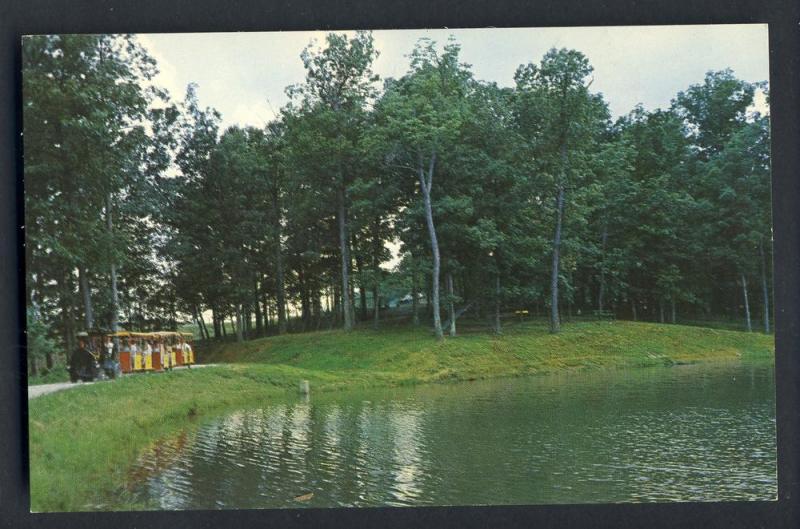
(694, 434)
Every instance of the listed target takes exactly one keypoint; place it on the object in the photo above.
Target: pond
(685, 433)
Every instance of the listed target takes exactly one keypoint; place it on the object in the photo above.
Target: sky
(244, 75)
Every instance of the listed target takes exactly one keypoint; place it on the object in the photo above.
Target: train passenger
(165, 356)
(186, 350)
(147, 353)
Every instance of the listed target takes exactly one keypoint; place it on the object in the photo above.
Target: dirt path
(43, 389)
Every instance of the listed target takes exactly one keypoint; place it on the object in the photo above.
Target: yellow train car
(146, 351)
(139, 351)
(165, 348)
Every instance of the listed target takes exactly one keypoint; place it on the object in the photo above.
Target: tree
(421, 115)
(715, 109)
(339, 85)
(376, 200)
(731, 175)
(559, 117)
(87, 115)
(739, 177)
(653, 222)
(40, 345)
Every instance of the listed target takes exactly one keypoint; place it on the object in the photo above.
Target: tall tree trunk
(362, 290)
(746, 304)
(114, 292)
(305, 302)
(450, 309)
(317, 310)
(305, 308)
(376, 270)
(633, 309)
(265, 304)
(280, 294)
(88, 312)
(39, 287)
(217, 328)
(764, 285)
(428, 302)
(67, 315)
(203, 324)
(267, 315)
(328, 299)
(661, 310)
(376, 300)
(376, 309)
(602, 290)
(414, 294)
(239, 324)
(496, 327)
(344, 251)
(337, 306)
(362, 294)
(257, 308)
(426, 182)
(196, 319)
(672, 302)
(352, 298)
(555, 324)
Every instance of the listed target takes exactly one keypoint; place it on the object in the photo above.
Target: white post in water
(305, 388)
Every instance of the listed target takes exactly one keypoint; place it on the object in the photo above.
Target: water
(687, 433)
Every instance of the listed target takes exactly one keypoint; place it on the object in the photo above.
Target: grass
(84, 441)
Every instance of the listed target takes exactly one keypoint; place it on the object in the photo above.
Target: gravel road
(43, 389)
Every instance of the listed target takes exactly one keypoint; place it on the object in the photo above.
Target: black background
(113, 16)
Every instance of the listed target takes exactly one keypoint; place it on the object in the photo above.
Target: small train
(110, 354)
(154, 351)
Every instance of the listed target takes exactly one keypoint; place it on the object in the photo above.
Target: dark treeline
(141, 212)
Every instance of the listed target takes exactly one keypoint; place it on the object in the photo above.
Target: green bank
(84, 441)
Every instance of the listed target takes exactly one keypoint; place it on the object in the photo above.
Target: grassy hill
(527, 348)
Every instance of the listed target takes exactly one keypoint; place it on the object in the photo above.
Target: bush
(40, 344)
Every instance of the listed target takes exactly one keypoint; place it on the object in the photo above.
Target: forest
(141, 213)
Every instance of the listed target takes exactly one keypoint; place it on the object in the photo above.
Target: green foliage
(663, 214)
(40, 344)
(715, 110)
(94, 149)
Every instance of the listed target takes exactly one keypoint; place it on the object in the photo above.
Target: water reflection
(685, 433)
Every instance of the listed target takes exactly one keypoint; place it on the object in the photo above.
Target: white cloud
(168, 76)
(244, 75)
